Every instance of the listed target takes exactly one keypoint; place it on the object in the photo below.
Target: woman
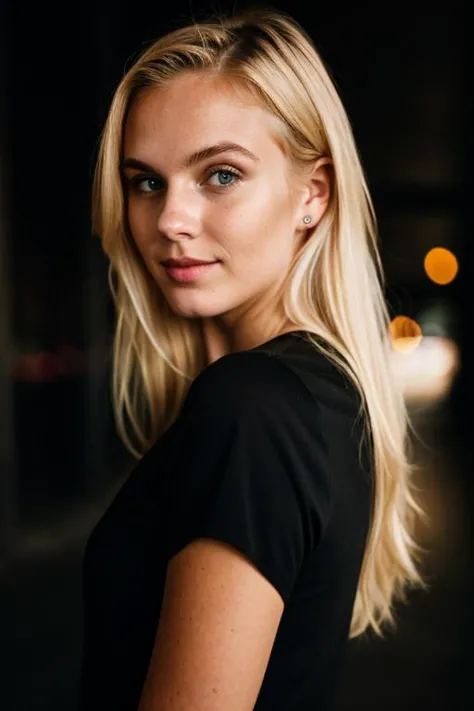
(271, 515)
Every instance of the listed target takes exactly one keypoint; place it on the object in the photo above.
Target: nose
(178, 215)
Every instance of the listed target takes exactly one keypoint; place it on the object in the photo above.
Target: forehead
(195, 110)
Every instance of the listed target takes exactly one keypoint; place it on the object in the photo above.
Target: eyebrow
(197, 157)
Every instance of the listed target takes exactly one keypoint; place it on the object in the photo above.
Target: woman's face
(233, 206)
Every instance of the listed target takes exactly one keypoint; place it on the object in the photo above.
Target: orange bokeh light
(405, 333)
(441, 265)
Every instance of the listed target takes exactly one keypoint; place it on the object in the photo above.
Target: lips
(183, 263)
(190, 273)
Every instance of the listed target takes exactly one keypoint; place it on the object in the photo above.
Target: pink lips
(188, 274)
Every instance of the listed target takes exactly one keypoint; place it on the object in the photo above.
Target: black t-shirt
(265, 456)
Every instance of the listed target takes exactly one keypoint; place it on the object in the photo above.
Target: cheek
(258, 229)
(139, 224)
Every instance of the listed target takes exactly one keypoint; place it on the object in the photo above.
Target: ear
(316, 193)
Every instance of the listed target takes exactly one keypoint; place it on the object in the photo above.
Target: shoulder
(240, 367)
(245, 380)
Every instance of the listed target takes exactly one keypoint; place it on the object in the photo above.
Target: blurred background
(402, 71)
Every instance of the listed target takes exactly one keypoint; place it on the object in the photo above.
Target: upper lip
(185, 262)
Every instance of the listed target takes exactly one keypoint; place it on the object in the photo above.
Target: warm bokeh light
(427, 374)
(441, 265)
(405, 333)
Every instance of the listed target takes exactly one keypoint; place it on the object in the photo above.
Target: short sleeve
(248, 466)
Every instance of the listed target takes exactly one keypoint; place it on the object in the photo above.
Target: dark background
(402, 71)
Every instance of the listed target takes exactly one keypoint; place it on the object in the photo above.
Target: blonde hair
(333, 289)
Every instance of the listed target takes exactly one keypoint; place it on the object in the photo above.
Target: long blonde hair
(334, 288)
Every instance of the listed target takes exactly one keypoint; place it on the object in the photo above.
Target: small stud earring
(307, 219)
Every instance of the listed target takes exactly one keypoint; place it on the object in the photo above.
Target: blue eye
(227, 176)
(140, 181)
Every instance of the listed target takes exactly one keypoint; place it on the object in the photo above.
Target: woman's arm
(218, 623)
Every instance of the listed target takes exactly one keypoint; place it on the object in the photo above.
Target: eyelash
(136, 181)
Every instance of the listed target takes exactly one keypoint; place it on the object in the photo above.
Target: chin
(190, 308)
